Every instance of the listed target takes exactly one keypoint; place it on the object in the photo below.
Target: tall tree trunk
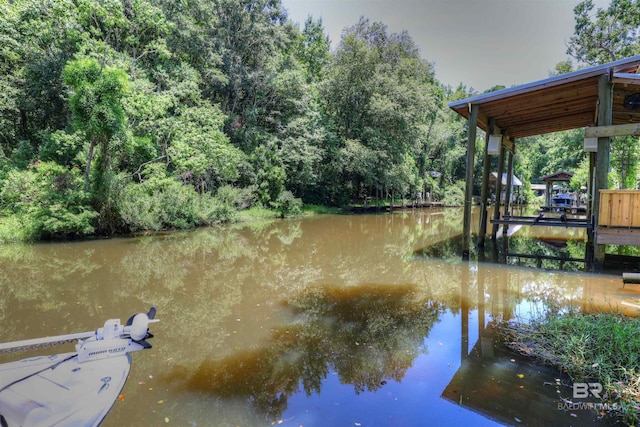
(87, 169)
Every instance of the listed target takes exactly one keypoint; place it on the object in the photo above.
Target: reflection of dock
(395, 206)
(500, 384)
(416, 205)
(542, 220)
(512, 389)
(539, 258)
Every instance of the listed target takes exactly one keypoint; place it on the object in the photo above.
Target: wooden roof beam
(614, 130)
(626, 79)
(575, 121)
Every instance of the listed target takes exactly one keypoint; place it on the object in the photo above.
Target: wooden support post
(591, 193)
(465, 280)
(507, 193)
(547, 193)
(484, 195)
(496, 208)
(468, 195)
(605, 107)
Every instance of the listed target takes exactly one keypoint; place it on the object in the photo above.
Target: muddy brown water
(333, 320)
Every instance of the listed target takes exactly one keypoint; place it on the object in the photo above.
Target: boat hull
(59, 390)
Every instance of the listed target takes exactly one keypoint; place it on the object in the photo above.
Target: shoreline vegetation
(591, 348)
(127, 116)
(229, 205)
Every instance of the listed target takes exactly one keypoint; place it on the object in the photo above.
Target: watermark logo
(584, 390)
(587, 406)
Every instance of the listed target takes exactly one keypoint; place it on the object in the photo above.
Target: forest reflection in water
(330, 320)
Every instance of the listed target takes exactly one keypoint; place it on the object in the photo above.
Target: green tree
(248, 38)
(383, 98)
(49, 202)
(551, 153)
(563, 67)
(313, 50)
(625, 155)
(606, 35)
(270, 173)
(10, 58)
(37, 39)
(200, 153)
(96, 104)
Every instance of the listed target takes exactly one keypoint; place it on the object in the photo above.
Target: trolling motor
(113, 339)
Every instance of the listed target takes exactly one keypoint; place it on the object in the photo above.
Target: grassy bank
(258, 212)
(319, 209)
(602, 348)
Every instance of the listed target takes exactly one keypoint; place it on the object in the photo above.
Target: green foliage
(606, 35)
(228, 97)
(302, 152)
(23, 155)
(595, 347)
(625, 155)
(64, 149)
(270, 174)
(96, 101)
(580, 176)
(239, 198)
(551, 153)
(49, 202)
(159, 202)
(313, 49)
(97, 110)
(15, 228)
(288, 205)
(563, 67)
(215, 210)
(454, 196)
(383, 101)
(201, 152)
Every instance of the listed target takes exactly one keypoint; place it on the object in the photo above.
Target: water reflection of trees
(367, 334)
(28, 272)
(215, 288)
(522, 251)
(206, 276)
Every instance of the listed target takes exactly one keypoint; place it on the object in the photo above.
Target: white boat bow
(71, 389)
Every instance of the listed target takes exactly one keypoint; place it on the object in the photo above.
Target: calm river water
(334, 320)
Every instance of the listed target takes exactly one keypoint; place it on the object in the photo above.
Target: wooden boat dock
(543, 220)
(592, 99)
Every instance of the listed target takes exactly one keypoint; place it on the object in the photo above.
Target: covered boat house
(604, 100)
(549, 181)
(515, 189)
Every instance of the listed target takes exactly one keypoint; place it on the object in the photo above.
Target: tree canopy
(132, 105)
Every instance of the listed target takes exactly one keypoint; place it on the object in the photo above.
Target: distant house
(539, 189)
(516, 186)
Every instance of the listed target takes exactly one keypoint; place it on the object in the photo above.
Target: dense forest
(126, 115)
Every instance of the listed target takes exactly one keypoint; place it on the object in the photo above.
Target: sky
(480, 43)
